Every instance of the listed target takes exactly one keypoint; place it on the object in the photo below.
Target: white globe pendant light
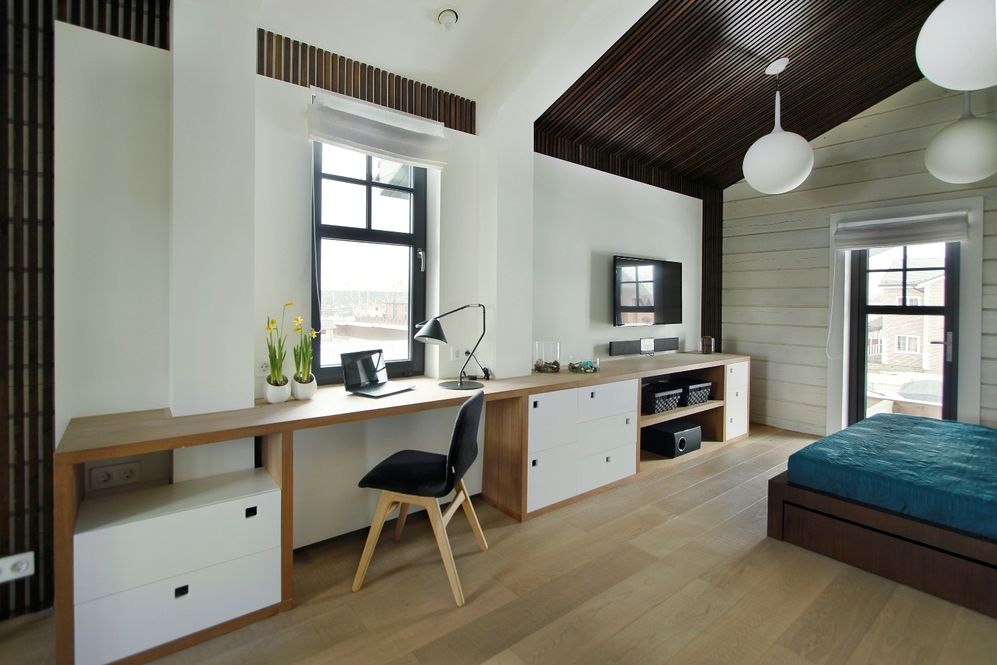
(965, 151)
(780, 161)
(957, 46)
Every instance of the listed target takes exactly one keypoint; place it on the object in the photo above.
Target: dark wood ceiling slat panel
(684, 92)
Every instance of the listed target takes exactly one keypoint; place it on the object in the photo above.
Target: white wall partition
(112, 200)
(582, 217)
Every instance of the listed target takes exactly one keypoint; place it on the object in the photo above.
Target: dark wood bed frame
(953, 565)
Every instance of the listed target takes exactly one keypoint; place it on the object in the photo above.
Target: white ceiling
(403, 36)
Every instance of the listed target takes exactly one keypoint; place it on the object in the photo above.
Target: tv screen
(646, 292)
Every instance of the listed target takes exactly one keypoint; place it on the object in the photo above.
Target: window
(369, 287)
(908, 344)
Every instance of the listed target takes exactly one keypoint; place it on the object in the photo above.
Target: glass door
(904, 312)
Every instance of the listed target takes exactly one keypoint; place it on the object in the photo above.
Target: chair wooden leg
(472, 517)
(380, 515)
(440, 530)
(400, 524)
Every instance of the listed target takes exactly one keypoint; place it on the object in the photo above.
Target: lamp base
(461, 385)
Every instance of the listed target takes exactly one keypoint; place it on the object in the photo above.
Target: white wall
(582, 217)
(211, 235)
(776, 256)
(112, 202)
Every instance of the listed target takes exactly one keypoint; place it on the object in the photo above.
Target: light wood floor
(673, 567)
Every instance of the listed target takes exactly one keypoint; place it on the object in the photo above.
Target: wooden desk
(503, 484)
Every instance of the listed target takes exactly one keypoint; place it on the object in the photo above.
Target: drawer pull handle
(592, 394)
(534, 462)
(536, 403)
(628, 421)
(250, 512)
(181, 591)
(607, 459)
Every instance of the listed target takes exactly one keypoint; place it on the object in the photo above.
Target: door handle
(947, 342)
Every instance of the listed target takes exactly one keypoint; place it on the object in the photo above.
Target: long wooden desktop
(504, 457)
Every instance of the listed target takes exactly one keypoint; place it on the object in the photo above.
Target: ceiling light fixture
(957, 46)
(965, 151)
(447, 18)
(779, 161)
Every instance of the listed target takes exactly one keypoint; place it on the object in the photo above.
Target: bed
(912, 499)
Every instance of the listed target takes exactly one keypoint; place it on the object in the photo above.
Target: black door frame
(857, 333)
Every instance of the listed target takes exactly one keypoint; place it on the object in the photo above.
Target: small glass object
(547, 357)
(706, 344)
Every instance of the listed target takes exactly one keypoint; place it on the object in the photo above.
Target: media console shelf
(680, 412)
(599, 447)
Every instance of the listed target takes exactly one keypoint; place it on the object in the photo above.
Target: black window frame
(416, 241)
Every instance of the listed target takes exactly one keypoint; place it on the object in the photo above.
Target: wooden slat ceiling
(684, 90)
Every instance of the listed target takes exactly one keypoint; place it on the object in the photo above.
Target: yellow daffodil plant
(275, 348)
(303, 352)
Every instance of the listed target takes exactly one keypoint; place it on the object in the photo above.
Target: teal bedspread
(939, 471)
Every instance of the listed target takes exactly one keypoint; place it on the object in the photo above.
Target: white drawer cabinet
(580, 439)
(125, 623)
(155, 564)
(736, 400)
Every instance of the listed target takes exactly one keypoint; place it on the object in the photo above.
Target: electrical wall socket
(112, 475)
(262, 369)
(16, 566)
(457, 353)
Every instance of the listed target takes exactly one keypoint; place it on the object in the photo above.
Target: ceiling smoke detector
(447, 18)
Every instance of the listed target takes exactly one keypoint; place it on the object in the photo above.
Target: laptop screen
(363, 368)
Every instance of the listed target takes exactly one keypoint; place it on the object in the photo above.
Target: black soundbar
(632, 346)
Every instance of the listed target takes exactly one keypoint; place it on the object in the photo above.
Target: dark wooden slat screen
(27, 392)
(295, 62)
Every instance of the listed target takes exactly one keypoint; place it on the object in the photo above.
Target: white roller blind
(376, 130)
(895, 231)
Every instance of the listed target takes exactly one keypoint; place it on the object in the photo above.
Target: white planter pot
(304, 390)
(276, 394)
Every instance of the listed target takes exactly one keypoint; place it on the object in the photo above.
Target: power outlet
(112, 475)
(457, 353)
(262, 369)
(17, 566)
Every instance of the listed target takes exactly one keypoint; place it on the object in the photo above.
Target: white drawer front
(126, 556)
(606, 467)
(607, 399)
(125, 623)
(606, 433)
(550, 476)
(736, 408)
(737, 375)
(552, 419)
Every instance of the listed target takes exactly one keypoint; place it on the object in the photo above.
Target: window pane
(926, 256)
(886, 258)
(885, 288)
(391, 210)
(927, 287)
(338, 161)
(645, 273)
(629, 274)
(645, 294)
(344, 204)
(391, 173)
(628, 294)
(904, 370)
(364, 300)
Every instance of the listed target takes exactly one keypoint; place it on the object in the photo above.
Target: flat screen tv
(646, 292)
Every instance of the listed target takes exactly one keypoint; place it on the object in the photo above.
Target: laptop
(364, 373)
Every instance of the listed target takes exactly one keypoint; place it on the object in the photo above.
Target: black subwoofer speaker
(671, 439)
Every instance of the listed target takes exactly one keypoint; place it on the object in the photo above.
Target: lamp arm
(457, 309)
(471, 354)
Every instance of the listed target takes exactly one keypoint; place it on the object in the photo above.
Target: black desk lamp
(431, 332)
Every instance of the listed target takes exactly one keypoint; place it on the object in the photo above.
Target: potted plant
(277, 388)
(303, 385)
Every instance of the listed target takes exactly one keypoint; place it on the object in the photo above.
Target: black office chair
(414, 477)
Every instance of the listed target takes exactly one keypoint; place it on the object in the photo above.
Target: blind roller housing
(909, 230)
(369, 128)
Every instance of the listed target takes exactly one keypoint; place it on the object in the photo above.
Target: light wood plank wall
(776, 263)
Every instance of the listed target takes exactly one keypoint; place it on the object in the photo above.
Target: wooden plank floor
(673, 567)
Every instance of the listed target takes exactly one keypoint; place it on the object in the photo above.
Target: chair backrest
(464, 443)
